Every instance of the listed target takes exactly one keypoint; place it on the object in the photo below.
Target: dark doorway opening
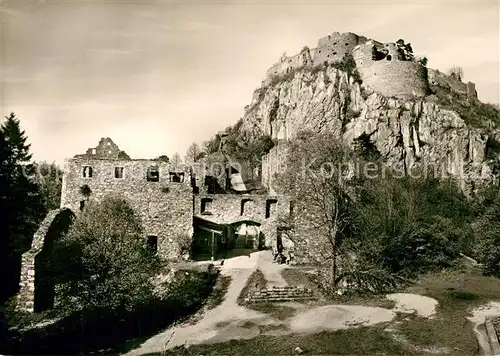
(152, 244)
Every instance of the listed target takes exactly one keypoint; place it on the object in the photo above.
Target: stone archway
(36, 287)
(247, 235)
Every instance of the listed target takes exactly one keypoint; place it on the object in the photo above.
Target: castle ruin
(187, 212)
(217, 206)
(387, 68)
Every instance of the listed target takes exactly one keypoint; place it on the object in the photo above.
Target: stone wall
(165, 207)
(105, 149)
(390, 76)
(438, 78)
(273, 163)
(280, 294)
(309, 235)
(331, 48)
(30, 296)
(287, 64)
(227, 209)
(335, 46)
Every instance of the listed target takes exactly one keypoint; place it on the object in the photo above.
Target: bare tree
(192, 154)
(176, 160)
(319, 179)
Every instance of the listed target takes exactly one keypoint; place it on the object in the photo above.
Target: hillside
(411, 115)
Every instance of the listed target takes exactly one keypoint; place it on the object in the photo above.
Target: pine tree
(20, 200)
(4, 238)
(16, 140)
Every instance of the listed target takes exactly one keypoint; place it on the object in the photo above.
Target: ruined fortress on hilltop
(388, 68)
(218, 206)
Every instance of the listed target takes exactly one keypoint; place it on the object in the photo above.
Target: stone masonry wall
(310, 242)
(331, 48)
(226, 209)
(164, 207)
(335, 46)
(391, 78)
(105, 149)
(443, 80)
(273, 163)
(26, 295)
(286, 64)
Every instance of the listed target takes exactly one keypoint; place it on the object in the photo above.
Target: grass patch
(256, 281)
(457, 293)
(299, 277)
(219, 292)
(277, 311)
(359, 341)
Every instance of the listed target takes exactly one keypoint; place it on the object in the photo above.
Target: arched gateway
(215, 241)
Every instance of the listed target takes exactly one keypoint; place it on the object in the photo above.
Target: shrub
(185, 244)
(99, 329)
(474, 113)
(103, 261)
(348, 65)
(409, 225)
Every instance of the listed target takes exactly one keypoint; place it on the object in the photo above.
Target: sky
(158, 75)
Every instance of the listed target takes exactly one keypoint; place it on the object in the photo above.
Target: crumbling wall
(335, 46)
(227, 209)
(36, 287)
(390, 76)
(106, 149)
(272, 163)
(165, 207)
(308, 236)
(443, 80)
(287, 64)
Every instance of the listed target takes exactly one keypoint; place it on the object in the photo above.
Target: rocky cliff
(443, 131)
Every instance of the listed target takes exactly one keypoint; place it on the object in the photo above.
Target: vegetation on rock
(379, 227)
(245, 147)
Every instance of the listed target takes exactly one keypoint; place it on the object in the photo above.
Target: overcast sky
(156, 76)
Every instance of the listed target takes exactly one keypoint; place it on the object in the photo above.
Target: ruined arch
(37, 285)
(247, 234)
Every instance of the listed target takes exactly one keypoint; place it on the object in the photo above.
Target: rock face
(407, 133)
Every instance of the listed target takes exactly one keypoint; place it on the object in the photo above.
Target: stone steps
(280, 294)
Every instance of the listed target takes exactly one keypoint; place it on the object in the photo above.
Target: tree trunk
(333, 271)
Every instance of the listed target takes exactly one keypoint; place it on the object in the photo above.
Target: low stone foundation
(280, 294)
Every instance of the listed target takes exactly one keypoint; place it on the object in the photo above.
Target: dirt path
(223, 323)
(409, 303)
(336, 317)
(231, 321)
(271, 271)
